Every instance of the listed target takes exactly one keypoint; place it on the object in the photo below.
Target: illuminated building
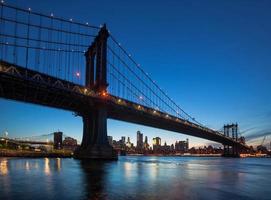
(156, 143)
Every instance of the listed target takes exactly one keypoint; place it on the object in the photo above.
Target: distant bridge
(64, 64)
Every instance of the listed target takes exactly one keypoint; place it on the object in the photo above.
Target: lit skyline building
(156, 141)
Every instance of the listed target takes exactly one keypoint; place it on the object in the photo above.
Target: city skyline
(228, 60)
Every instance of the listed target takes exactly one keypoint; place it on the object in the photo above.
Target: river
(136, 177)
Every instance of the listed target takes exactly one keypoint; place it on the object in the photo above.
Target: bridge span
(97, 80)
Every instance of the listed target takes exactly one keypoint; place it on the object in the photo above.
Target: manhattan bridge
(78, 67)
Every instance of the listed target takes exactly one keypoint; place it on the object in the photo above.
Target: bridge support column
(231, 151)
(94, 142)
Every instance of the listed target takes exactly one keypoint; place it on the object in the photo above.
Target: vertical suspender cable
(2, 32)
(38, 50)
(27, 41)
(15, 40)
(69, 53)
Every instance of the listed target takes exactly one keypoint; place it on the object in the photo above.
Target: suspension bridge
(60, 63)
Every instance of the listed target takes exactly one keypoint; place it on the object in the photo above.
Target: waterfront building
(182, 146)
(58, 140)
(166, 148)
(69, 143)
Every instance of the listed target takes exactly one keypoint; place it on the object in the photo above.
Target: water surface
(136, 177)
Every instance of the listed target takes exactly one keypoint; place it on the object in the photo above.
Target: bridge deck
(29, 86)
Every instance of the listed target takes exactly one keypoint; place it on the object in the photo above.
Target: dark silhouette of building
(182, 146)
(146, 145)
(69, 143)
(139, 144)
(58, 140)
(123, 140)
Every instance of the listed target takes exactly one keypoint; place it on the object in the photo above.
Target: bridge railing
(45, 43)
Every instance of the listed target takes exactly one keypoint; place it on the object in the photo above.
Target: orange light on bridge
(119, 100)
(104, 93)
(154, 111)
(167, 116)
(138, 106)
(85, 90)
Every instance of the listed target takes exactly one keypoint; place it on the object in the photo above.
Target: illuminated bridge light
(119, 100)
(140, 97)
(85, 90)
(138, 106)
(104, 93)
(154, 111)
(167, 116)
(77, 74)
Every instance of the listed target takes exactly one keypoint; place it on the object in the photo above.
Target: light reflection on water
(135, 178)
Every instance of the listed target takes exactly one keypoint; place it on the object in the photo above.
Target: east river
(136, 177)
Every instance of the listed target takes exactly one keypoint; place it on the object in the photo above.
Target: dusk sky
(212, 57)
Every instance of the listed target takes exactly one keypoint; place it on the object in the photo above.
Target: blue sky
(212, 57)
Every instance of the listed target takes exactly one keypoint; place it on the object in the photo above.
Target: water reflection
(27, 167)
(94, 175)
(58, 164)
(47, 166)
(4, 166)
(135, 178)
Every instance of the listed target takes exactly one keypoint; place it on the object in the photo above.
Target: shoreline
(62, 154)
(33, 154)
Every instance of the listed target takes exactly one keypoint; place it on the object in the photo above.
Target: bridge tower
(231, 150)
(95, 144)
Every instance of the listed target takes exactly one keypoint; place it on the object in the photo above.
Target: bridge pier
(94, 142)
(231, 151)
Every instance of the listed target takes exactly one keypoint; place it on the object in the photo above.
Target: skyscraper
(123, 140)
(146, 145)
(139, 144)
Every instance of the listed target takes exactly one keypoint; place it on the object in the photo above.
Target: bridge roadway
(17, 83)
